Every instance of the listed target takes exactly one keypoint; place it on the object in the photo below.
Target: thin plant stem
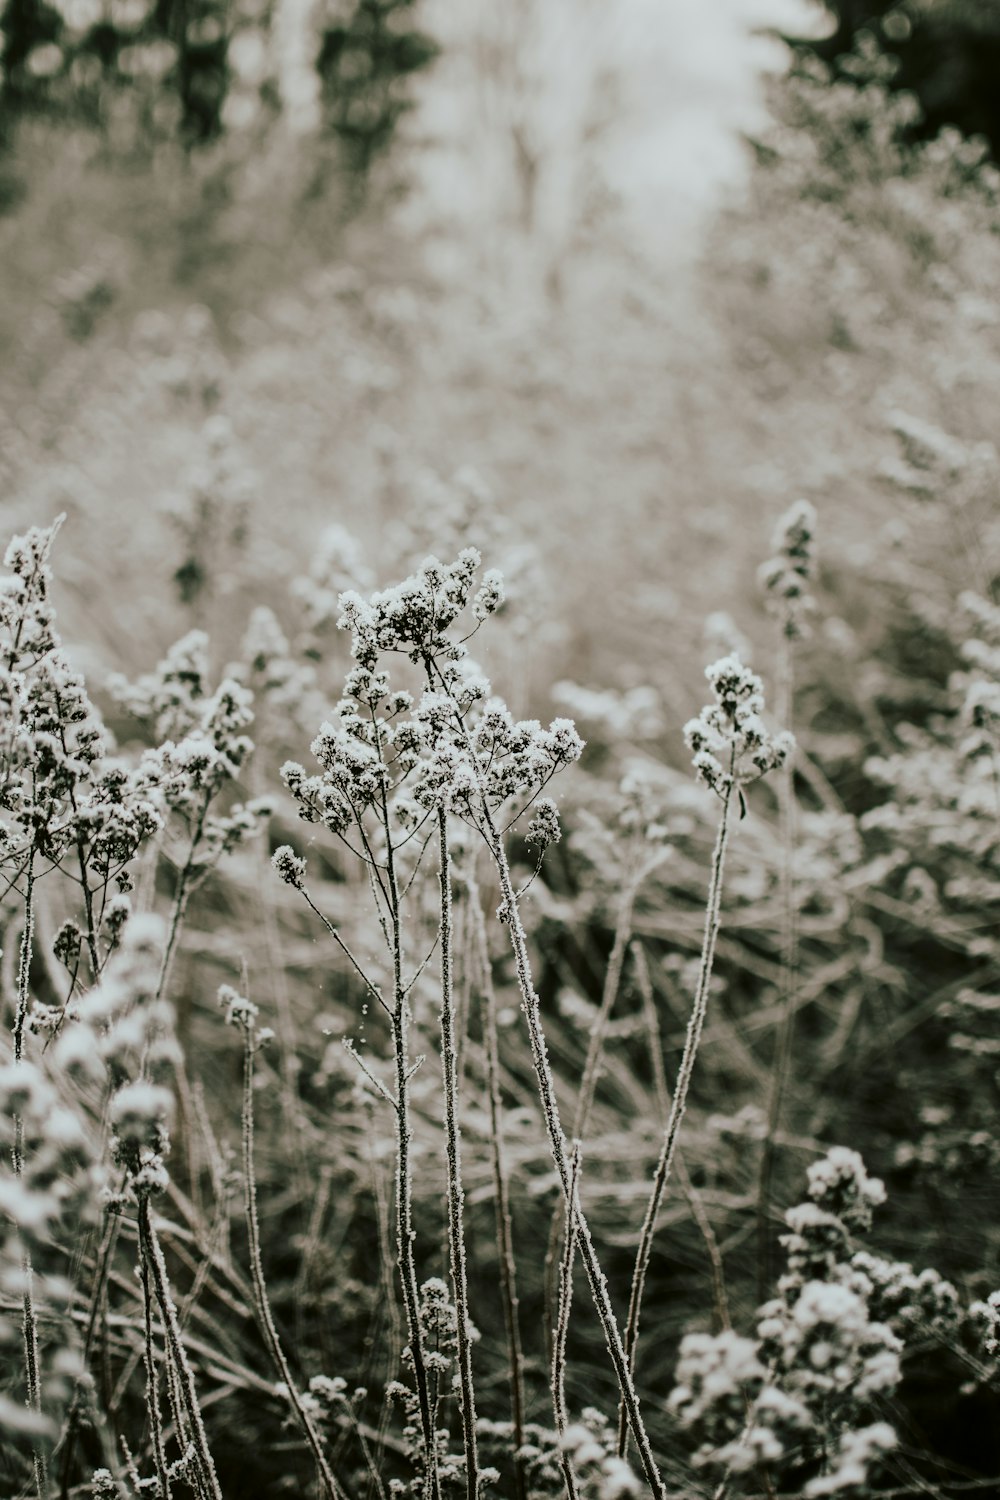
(405, 1233)
(691, 1193)
(29, 1319)
(456, 1195)
(278, 979)
(501, 1194)
(713, 917)
(23, 981)
(152, 1383)
(592, 1065)
(182, 895)
(261, 1301)
(562, 1327)
(612, 985)
(204, 1464)
(98, 1288)
(789, 960)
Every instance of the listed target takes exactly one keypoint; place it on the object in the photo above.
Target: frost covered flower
(489, 596)
(716, 1374)
(987, 1316)
(910, 1302)
(840, 1185)
(858, 1451)
(452, 750)
(414, 616)
(731, 745)
(289, 866)
(816, 1243)
(544, 828)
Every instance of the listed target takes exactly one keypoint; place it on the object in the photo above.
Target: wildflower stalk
(562, 1329)
(785, 578)
(98, 1289)
(151, 1255)
(557, 1144)
(688, 1188)
(456, 1238)
(405, 1233)
(261, 1301)
(501, 1196)
(612, 985)
(591, 1067)
(29, 1319)
(182, 895)
(789, 960)
(152, 1384)
(694, 1030)
(23, 977)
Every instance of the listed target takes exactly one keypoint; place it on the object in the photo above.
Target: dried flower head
(730, 743)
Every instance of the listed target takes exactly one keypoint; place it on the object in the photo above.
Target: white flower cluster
(47, 1146)
(824, 1351)
(414, 616)
(121, 1026)
(455, 748)
(590, 1445)
(920, 1304)
(600, 1473)
(60, 792)
(858, 1451)
(729, 741)
(839, 1184)
(201, 746)
(826, 1348)
(987, 1316)
(438, 1331)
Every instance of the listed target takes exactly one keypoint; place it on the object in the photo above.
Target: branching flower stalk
(474, 773)
(730, 728)
(456, 1195)
(785, 578)
(354, 783)
(243, 1013)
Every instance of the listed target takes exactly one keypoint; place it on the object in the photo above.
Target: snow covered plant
(65, 807)
(731, 747)
(803, 1402)
(396, 773)
(89, 1076)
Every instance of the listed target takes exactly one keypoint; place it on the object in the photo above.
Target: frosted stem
(679, 1102)
(456, 1196)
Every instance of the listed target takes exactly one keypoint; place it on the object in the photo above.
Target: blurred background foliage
(274, 270)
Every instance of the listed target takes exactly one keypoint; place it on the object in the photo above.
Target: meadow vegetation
(424, 1083)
